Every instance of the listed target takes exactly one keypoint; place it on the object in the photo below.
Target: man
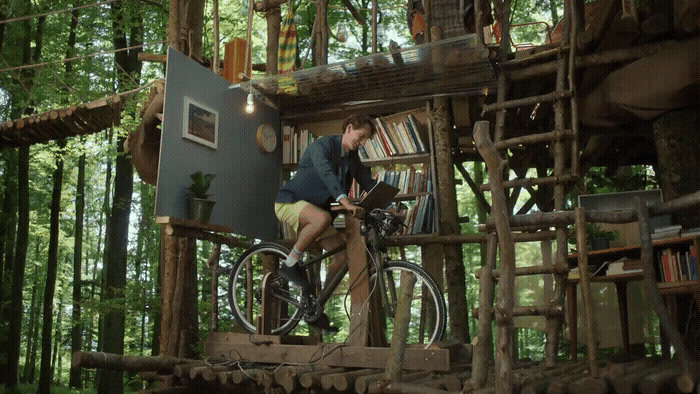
(324, 176)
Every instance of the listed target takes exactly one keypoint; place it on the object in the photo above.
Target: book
(287, 132)
(666, 232)
(666, 266)
(693, 259)
(414, 125)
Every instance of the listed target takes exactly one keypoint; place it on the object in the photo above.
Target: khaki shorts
(288, 213)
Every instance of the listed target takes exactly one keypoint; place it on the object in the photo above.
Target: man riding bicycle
(325, 174)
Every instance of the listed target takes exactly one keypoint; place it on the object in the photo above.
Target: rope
(43, 64)
(23, 18)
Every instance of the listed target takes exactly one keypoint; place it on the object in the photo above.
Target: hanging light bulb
(342, 34)
(250, 105)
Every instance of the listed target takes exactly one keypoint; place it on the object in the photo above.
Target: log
(504, 310)
(588, 385)
(224, 378)
(586, 296)
(362, 383)
(397, 348)
(118, 362)
(659, 382)
(400, 387)
(287, 376)
(344, 381)
(310, 379)
(183, 370)
(483, 348)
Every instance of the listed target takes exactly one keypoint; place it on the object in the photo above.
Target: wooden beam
(329, 354)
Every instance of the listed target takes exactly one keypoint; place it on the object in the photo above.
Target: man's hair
(360, 122)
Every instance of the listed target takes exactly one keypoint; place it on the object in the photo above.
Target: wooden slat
(329, 354)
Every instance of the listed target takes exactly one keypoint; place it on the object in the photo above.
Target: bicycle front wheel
(428, 311)
(245, 289)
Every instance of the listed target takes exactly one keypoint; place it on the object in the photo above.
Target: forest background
(74, 209)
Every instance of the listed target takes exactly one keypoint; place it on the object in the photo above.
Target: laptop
(380, 196)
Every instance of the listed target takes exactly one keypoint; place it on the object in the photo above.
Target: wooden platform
(234, 346)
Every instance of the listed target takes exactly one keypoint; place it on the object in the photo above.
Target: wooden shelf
(679, 287)
(399, 159)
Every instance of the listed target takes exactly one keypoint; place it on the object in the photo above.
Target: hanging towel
(287, 53)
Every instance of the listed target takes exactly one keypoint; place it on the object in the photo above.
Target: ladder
(563, 143)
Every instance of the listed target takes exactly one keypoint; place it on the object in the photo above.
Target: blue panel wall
(247, 180)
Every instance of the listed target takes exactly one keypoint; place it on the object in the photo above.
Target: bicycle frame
(327, 291)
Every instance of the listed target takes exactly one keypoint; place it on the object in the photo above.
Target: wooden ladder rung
(534, 310)
(550, 136)
(554, 96)
(523, 182)
(531, 270)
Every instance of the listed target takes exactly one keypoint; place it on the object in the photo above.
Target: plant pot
(600, 243)
(200, 209)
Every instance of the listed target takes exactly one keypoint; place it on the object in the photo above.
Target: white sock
(293, 258)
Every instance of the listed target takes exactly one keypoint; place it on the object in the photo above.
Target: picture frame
(200, 123)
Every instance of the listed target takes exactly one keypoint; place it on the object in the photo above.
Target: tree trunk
(320, 53)
(51, 271)
(677, 135)
(58, 338)
(77, 328)
(9, 218)
(20, 259)
(112, 333)
(28, 374)
(274, 19)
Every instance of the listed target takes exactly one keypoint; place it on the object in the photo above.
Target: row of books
(678, 264)
(394, 138)
(294, 142)
(408, 181)
(420, 216)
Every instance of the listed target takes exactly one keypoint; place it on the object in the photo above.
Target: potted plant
(598, 238)
(199, 204)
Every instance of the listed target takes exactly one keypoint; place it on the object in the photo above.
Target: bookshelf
(676, 265)
(401, 153)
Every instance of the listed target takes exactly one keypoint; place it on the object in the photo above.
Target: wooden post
(554, 323)
(647, 259)
(401, 321)
(359, 311)
(483, 348)
(441, 122)
(273, 16)
(264, 320)
(213, 264)
(506, 282)
(178, 297)
(585, 275)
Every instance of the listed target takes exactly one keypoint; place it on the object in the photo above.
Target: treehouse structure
(615, 84)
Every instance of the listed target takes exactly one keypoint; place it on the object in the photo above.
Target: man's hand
(355, 211)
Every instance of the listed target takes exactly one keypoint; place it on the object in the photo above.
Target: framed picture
(200, 123)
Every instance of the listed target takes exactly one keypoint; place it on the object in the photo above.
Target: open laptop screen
(380, 196)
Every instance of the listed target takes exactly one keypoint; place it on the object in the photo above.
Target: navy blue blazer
(317, 178)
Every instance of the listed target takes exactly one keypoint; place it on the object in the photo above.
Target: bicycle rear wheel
(245, 289)
(428, 310)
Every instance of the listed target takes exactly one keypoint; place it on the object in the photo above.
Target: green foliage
(200, 184)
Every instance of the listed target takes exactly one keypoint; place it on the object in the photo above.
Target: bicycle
(428, 310)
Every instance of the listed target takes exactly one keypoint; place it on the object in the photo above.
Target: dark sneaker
(324, 323)
(295, 275)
